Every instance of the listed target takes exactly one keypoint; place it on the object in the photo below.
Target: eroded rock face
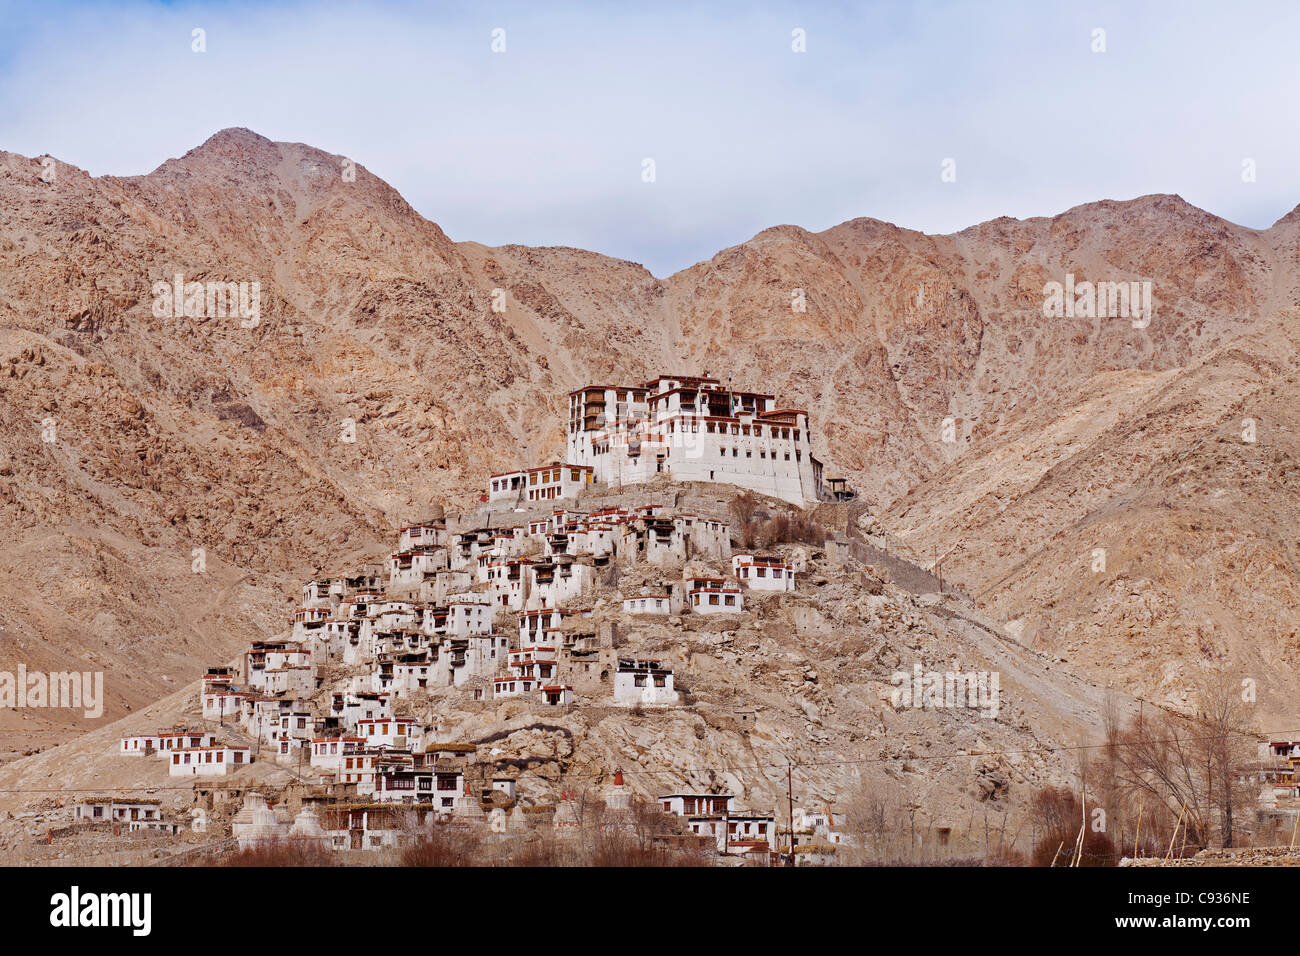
(178, 433)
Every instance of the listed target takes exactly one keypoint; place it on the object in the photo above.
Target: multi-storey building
(693, 428)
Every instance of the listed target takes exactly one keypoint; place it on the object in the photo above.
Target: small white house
(359, 768)
(541, 627)
(763, 572)
(139, 745)
(697, 804)
(467, 614)
(392, 733)
(327, 753)
(648, 604)
(557, 695)
(557, 582)
(208, 761)
(408, 569)
(540, 484)
(539, 663)
(514, 686)
(116, 810)
(713, 596)
(750, 832)
(295, 679)
(142, 744)
(226, 703)
(638, 681)
(352, 706)
(428, 535)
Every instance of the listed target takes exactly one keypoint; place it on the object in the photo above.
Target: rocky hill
(802, 678)
(176, 433)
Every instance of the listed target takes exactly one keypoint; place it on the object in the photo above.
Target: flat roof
(721, 796)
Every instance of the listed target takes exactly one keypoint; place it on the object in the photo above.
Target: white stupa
(256, 822)
(306, 826)
(617, 798)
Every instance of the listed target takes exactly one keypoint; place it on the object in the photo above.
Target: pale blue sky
(543, 144)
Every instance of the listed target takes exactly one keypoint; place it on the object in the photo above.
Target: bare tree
(1189, 772)
(876, 817)
(1228, 731)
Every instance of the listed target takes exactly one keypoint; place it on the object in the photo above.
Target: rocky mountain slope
(179, 433)
(1143, 523)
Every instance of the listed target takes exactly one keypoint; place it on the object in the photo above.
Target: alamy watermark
(58, 689)
(1100, 300)
(77, 909)
(212, 300)
(947, 690)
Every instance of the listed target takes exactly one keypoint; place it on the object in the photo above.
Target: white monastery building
(688, 427)
(693, 428)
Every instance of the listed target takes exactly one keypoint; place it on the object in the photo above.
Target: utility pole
(789, 789)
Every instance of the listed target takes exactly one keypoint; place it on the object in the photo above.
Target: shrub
(1059, 815)
(444, 845)
(282, 852)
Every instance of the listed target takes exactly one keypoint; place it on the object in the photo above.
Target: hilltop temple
(691, 428)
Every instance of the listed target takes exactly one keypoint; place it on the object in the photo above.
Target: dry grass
(756, 530)
(445, 845)
(282, 852)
